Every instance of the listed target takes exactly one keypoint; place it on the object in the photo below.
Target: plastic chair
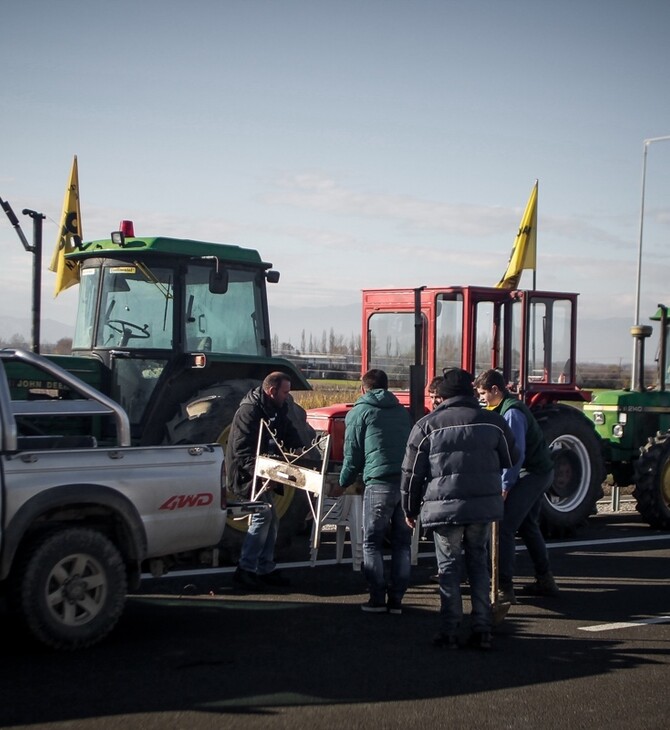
(346, 513)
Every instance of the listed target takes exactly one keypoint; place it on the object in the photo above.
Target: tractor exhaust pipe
(640, 332)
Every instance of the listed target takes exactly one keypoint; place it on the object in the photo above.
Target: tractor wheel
(579, 469)
(206, 418)
(652, 481)
(71, 588)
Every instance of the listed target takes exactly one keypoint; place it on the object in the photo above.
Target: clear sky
(355, 144)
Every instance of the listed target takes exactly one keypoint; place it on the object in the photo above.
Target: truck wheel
(652, 482)
(579, 469)
(72, 588)
(206, 418)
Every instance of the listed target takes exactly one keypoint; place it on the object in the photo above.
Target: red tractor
(413, 334)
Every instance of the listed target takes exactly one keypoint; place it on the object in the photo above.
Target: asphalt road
(191, 653)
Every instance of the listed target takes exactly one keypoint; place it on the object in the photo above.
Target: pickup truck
(82, 517)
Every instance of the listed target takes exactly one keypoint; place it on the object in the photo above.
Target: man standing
(269, 403)
(451, 475)
(524, 486)
(376, 431)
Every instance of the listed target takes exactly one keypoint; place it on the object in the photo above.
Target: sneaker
(274, 579)
(480, 640)
(544, 585)
(443, 640)
(248, 581)
(506, 595)
(394, 607)
(373, 607)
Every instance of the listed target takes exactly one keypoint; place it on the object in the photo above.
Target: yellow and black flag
(524, 251)
(69, 236)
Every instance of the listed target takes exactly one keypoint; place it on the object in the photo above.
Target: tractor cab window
(88, 297)
(549, 345)
(391, 338)
(448, 332)
(230, 321)
(136, 307)
(484, 337)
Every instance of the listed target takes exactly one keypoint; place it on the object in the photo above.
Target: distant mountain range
(50, 330)
(599, 340)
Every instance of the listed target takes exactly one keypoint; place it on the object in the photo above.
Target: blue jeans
(258, 549)
(522, 515)
(381, 508)
(453, 545)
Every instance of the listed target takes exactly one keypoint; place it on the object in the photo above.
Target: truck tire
(579, 469)
(72, 588)
(652, 482)
(206, 418)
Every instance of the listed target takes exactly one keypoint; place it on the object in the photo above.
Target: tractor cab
(413, 334)
(167, 317)
(529, 335)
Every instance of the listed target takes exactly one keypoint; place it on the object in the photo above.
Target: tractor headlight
(599, 418)
(617, 430)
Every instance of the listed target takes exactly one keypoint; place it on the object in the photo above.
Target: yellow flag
(524, 251)
(69, 236)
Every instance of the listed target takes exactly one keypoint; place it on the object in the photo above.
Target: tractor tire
(652, 482)
(206, 418)
(579, 469)
(71, 588)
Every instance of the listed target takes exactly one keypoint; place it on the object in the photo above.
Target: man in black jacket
(452, 476)
(269, 403)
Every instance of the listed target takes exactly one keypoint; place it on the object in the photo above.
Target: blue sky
(354, 144)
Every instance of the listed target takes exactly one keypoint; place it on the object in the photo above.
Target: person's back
(458, 451)
(452, 477)
(376, 431)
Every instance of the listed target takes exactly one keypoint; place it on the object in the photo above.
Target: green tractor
(635, 427)
(176, 331)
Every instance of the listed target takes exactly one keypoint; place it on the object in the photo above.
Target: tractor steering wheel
(128, 330)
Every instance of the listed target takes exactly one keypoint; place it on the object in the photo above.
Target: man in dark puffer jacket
(452, 476)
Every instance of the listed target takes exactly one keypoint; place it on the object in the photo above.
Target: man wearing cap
(452, 478)
(524, 486)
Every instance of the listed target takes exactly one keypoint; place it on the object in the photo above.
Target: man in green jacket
(376, 432)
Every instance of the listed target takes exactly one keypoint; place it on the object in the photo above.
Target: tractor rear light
(199, 360)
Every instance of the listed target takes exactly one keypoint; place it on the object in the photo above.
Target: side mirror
(218, 281)
(272, 276)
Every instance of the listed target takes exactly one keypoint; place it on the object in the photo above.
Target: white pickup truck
(82, 517)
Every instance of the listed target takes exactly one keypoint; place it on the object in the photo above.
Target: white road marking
(626, 624)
